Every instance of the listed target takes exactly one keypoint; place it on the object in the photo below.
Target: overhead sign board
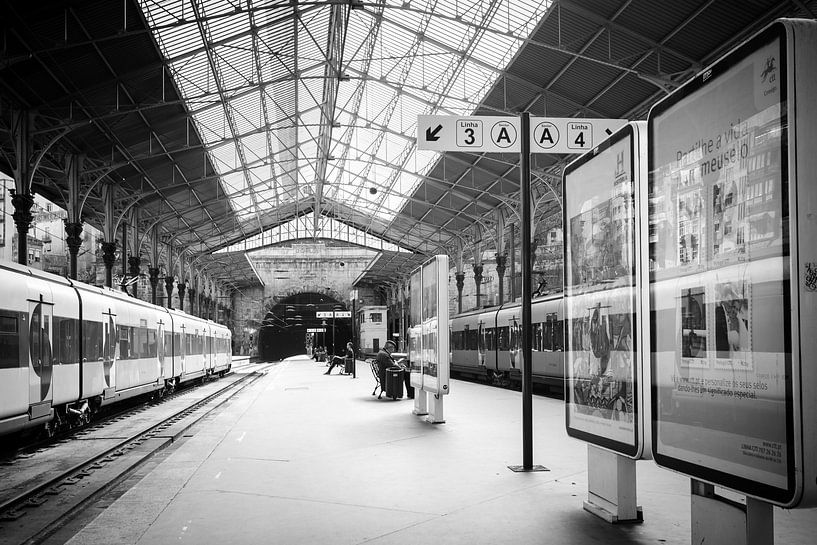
(502, 134)
(316, 330)
(570, 134)
(484, 133)
(335, 314)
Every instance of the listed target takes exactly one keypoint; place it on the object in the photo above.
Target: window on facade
(376, 317)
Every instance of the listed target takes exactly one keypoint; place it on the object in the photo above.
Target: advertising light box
(732, 258)
(428, 327)
(605, 382)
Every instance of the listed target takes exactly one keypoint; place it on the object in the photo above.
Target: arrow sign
(502, 134)
(431, 136)
(476, 133)
(570, 134)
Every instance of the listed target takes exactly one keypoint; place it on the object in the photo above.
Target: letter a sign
(570, 134)
(501, 134)
(477, 134)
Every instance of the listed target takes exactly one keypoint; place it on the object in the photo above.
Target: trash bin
(394, 382)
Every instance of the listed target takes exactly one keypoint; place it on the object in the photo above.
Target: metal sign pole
(527, 338)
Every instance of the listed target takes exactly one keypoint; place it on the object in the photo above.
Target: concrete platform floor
(301, 457)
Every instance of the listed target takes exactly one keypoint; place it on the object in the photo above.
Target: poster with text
(600, 301)
(721, 356)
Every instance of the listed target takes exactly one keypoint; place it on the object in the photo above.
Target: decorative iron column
(191, 296)
(133, 265)
(501, 261)
(109, 258)
(478, 282)
(153, 276)
(73, 237)
(181, 287)
(22, 218)
(460, 277)
(169, 290)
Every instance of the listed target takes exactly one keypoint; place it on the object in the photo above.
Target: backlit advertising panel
(600, 295)
(428, 330)
(720, 291)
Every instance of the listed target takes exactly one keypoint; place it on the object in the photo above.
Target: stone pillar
(460, 276)
(181, 287)
(73, 232)
(501, 261)
(478, 282)
(191, 296)
(109, 257)
(169, 290)
(133, 265)
(153, 276)
(22, 218)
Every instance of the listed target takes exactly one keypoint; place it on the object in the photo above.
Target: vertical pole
(527, 345)
(123, 285)
(513, 262)
(354, 332)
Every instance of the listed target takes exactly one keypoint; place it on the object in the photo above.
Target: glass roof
(304, 227)
(314, 107)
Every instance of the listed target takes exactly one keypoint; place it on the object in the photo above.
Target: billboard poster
(415, 331)
(721, 353)
(600, 298)
(428, 328)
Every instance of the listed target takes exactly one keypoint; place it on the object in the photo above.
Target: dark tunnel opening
(285, 326)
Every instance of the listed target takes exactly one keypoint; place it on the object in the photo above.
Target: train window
(34, 335)
(9, 341)
(558, 335)
(65, 341)
(152, 349)
(537, 337)
(458, 340)
(502, 337)
(471, 339)
(91, 340)
(125, 335)
(140, 348)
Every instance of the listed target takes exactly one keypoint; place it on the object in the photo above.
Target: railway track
(43, 491)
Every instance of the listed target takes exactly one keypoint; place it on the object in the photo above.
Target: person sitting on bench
(384, 361)
(341, 360)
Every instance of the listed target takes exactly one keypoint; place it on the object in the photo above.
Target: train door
(481, 347)
(110, 343)
(183, 350)
(160, 346)
(40, 392)
(515, 347)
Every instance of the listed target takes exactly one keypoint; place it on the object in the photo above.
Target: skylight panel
(405, 63)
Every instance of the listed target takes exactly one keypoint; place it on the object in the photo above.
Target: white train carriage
(39, 363)
(67, 348)
(221, 349)
(466, 357)
(547, 319)
(128, 332)
(189, 348)
(489, 342)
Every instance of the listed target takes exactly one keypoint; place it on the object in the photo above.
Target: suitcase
(394, 382)
(350, 366)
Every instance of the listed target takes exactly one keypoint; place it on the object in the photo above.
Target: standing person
(384, 361)
(341, 360)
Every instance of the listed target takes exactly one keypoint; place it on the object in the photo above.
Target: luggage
(394, 382)
(350, 366)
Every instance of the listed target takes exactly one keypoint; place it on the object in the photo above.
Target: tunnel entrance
(283, 332)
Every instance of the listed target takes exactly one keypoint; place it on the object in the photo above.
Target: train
(68, 348)
(487, 343)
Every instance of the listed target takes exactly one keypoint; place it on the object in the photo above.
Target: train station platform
(301, 457)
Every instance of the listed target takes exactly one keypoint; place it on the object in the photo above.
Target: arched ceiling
(223, 119)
